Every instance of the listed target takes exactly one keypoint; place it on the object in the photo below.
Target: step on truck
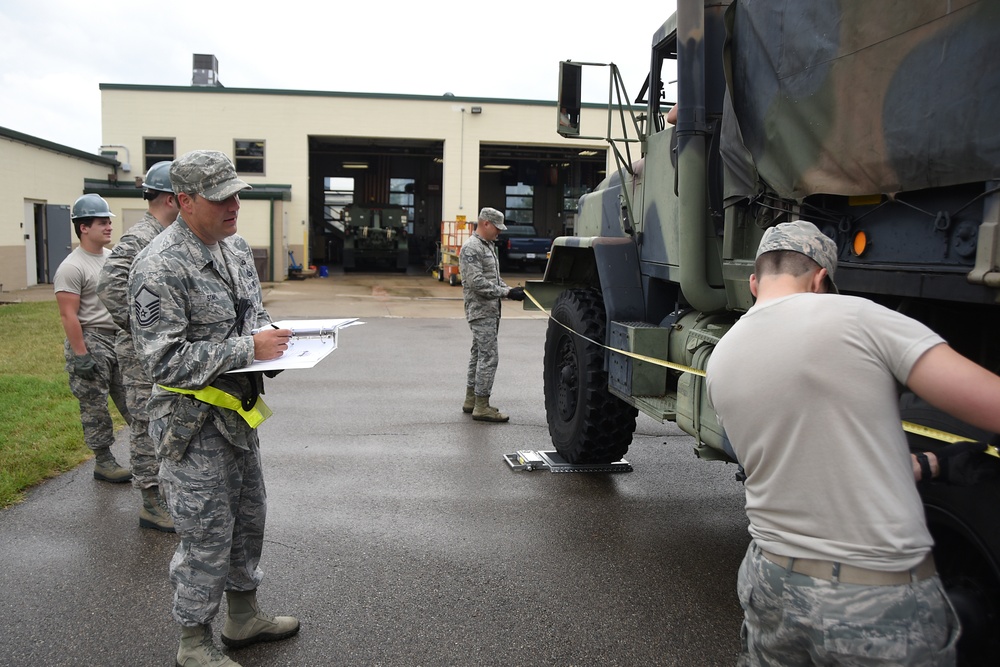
(880, 125)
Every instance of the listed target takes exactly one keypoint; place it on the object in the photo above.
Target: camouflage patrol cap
(803, 237)
(493, 216)
(210, 174)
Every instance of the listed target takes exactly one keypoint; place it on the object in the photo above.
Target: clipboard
(311, 342)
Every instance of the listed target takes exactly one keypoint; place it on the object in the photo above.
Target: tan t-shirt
(807, 388)
(78, 274)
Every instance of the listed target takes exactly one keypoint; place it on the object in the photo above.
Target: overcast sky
(54, 54)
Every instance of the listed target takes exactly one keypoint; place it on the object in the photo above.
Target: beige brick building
(40, 181)
(308, 156)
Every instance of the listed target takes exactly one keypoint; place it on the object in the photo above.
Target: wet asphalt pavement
(396, 532)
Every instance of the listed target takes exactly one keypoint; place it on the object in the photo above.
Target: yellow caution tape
(909, 427)
(641, 357)
(944, 436)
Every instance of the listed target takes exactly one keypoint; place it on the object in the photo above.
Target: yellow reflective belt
(255, 416)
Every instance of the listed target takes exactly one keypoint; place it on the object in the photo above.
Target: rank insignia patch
(147, 307)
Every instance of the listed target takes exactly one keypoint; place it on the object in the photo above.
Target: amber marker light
(860, 243)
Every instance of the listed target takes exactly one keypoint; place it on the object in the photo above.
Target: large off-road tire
(962, 520)
(586, 422)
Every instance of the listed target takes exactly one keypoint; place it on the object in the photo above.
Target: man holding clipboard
(198, 313)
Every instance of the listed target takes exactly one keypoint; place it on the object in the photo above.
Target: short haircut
(78, 223)
(788, 262)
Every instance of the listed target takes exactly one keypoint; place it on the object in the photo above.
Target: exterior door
(32, 247)
(58, 231)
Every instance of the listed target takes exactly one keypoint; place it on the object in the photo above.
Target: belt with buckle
(829, 570)
(101, 330)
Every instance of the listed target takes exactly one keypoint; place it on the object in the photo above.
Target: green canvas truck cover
(859, 97)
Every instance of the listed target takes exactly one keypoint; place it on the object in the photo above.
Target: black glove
(84, 366)
(961, 465)
(516, 294)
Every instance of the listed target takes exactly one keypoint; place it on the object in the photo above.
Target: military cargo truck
(375, 237)
(879, 125)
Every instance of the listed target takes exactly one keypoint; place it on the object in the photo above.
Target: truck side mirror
(569, 99)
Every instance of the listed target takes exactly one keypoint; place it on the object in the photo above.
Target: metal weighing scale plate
(532, 460)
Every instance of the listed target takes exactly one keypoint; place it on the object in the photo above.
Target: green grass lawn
(40, 432)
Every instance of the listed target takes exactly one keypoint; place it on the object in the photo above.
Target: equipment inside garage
(374, 198)
(373, 202)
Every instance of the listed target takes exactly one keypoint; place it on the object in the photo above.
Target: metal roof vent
(206, 71)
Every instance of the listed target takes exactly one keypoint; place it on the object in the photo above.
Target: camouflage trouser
(792, 619)
(98, 431)
(485, 355)
(142, 453)
(217, 499)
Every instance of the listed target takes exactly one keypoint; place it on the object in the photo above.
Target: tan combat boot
(470, 400)
(485, 412)
(153, 513)
(246, 624)
(106, 468)
(198, 650)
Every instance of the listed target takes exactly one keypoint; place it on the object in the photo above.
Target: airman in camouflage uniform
(112, 288)
(90, 334)
(839, 570)
(482, 289)
(196, 303)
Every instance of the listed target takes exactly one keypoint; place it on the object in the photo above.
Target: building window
(520, 204)
(157, 150)
(249, 157)
(338, 194)
(571, 198)
(401, 194)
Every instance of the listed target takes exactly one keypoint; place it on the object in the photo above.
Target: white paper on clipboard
(311, 342)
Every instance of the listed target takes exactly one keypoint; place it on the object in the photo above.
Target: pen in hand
(271, 342)
(254, 332)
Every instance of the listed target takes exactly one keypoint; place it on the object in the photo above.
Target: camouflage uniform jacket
(112, 287)
(184, 312)
(482, 287)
